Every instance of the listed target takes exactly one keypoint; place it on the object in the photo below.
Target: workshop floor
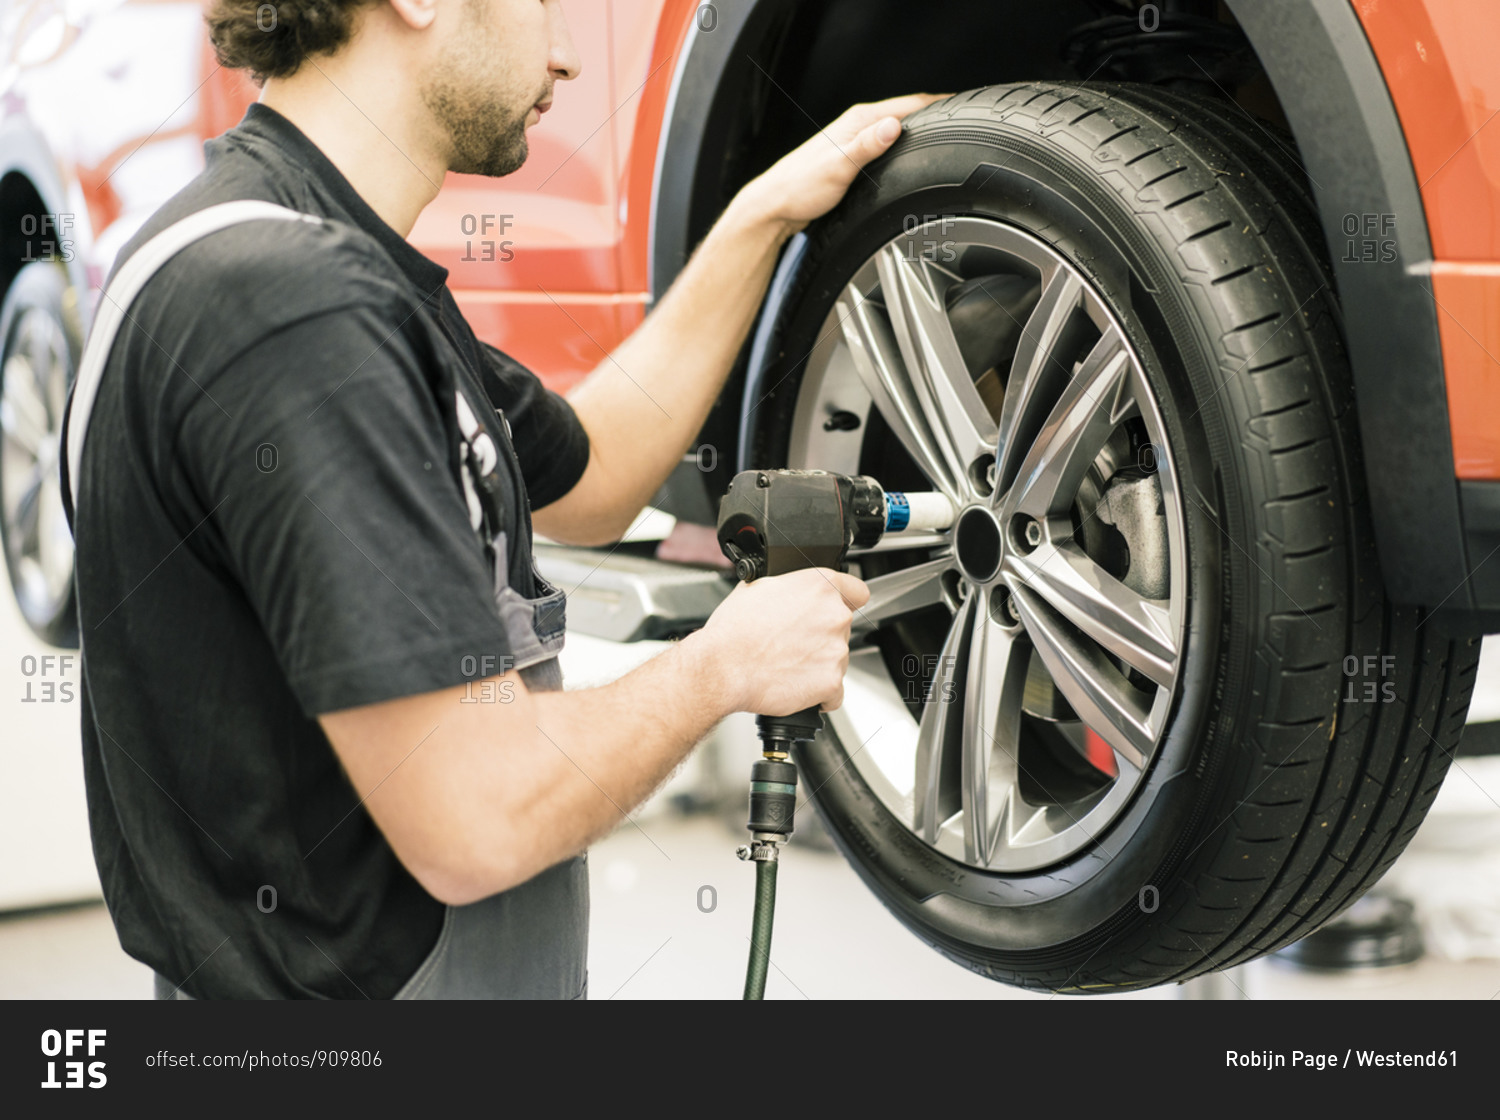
(671, 914)
(671, 904)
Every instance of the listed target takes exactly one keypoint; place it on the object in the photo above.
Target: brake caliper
(1132, 503)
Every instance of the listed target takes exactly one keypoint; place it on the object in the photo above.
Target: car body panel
(1439, 59)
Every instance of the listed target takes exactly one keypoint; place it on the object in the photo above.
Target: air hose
(819, 517)
(773, 802)
(760, 929)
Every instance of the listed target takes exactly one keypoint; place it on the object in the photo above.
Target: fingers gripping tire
(1311, 721)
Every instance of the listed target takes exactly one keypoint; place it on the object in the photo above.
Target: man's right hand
(781, 644)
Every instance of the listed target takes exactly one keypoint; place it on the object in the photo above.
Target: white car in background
(97, 129)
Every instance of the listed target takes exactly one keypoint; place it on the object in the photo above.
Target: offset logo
(493, 245)
(46, 675)
(67, 1044)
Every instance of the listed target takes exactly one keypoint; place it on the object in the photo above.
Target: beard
(477, 108)
(486, 135)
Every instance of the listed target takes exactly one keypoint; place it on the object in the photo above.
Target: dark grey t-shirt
(273, 524)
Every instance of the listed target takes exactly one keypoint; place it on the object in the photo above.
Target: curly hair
(272, 38)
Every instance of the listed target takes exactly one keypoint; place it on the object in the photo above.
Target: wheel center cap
(977, 543)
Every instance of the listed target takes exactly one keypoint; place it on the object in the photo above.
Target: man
(304, 537)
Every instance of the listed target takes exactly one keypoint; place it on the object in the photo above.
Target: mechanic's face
(493, 80)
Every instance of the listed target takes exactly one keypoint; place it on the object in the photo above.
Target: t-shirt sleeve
(326, 473)
(551, 444)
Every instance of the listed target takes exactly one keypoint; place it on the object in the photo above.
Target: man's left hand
(810, 180)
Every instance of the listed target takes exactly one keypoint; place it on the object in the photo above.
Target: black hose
(760, 929)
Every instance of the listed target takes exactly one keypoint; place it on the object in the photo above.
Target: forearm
(489, 794)
(606, 750)
(646, 403)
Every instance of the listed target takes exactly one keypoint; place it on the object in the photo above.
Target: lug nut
(1007, 608)
(1026, 532)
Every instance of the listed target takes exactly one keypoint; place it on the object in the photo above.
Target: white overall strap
(127, 284)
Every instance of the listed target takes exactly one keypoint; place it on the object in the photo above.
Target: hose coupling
(765, 849)
(773, 798)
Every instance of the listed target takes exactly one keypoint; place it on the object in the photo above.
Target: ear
(416, 14)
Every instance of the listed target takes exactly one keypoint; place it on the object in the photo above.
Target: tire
(1307, 723)
(39, 352)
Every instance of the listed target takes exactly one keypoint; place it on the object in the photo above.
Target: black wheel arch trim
(1325, 74)
(1481, 508)
(713, 63)
(24, 153)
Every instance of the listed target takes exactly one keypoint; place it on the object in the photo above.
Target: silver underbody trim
(626, 598)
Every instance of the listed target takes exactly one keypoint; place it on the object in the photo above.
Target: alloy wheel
(999, 373)
(34, 381)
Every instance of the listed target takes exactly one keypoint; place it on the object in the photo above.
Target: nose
(562, 60)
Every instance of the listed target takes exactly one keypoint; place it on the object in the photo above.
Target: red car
(1199, 300)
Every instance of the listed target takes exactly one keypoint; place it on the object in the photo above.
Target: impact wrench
(771, 523)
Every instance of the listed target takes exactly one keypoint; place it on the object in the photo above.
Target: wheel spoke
(935, 792)
(913, 291)
(44, 347)
(995, 684)
(877, 361)
(54, 541)
(1135, 629)
(1090, 408)
(903, 591)
(23, 414)
(24, 518)
(1103, 699)
(55, 392)
(33, 344)
(1036, 374)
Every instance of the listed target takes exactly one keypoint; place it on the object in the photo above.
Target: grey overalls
(529, 942)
